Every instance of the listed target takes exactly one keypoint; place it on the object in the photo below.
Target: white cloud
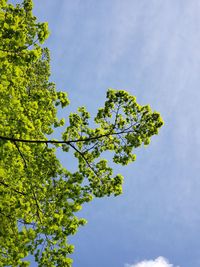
(159, 262)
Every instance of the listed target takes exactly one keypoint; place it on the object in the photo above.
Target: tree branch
(15, 190)
(65, 142)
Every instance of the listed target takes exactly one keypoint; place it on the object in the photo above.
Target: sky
(151, 49)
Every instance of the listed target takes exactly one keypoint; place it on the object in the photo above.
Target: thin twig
(85, 159)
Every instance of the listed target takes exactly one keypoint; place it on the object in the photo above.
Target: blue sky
(151, 49)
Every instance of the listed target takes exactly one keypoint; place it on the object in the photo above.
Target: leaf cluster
(39, 198)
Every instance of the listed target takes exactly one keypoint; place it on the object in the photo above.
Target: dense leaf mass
(38, 196)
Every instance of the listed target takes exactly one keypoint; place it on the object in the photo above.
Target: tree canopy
(39, 197)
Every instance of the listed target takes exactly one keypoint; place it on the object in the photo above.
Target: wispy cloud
(159, 262)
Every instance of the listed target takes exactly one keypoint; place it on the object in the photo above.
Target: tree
(39, 197)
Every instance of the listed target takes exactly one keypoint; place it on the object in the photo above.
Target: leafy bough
(39, 198)
(123, 125)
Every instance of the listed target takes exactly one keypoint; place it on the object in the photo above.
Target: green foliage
(39, 198)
